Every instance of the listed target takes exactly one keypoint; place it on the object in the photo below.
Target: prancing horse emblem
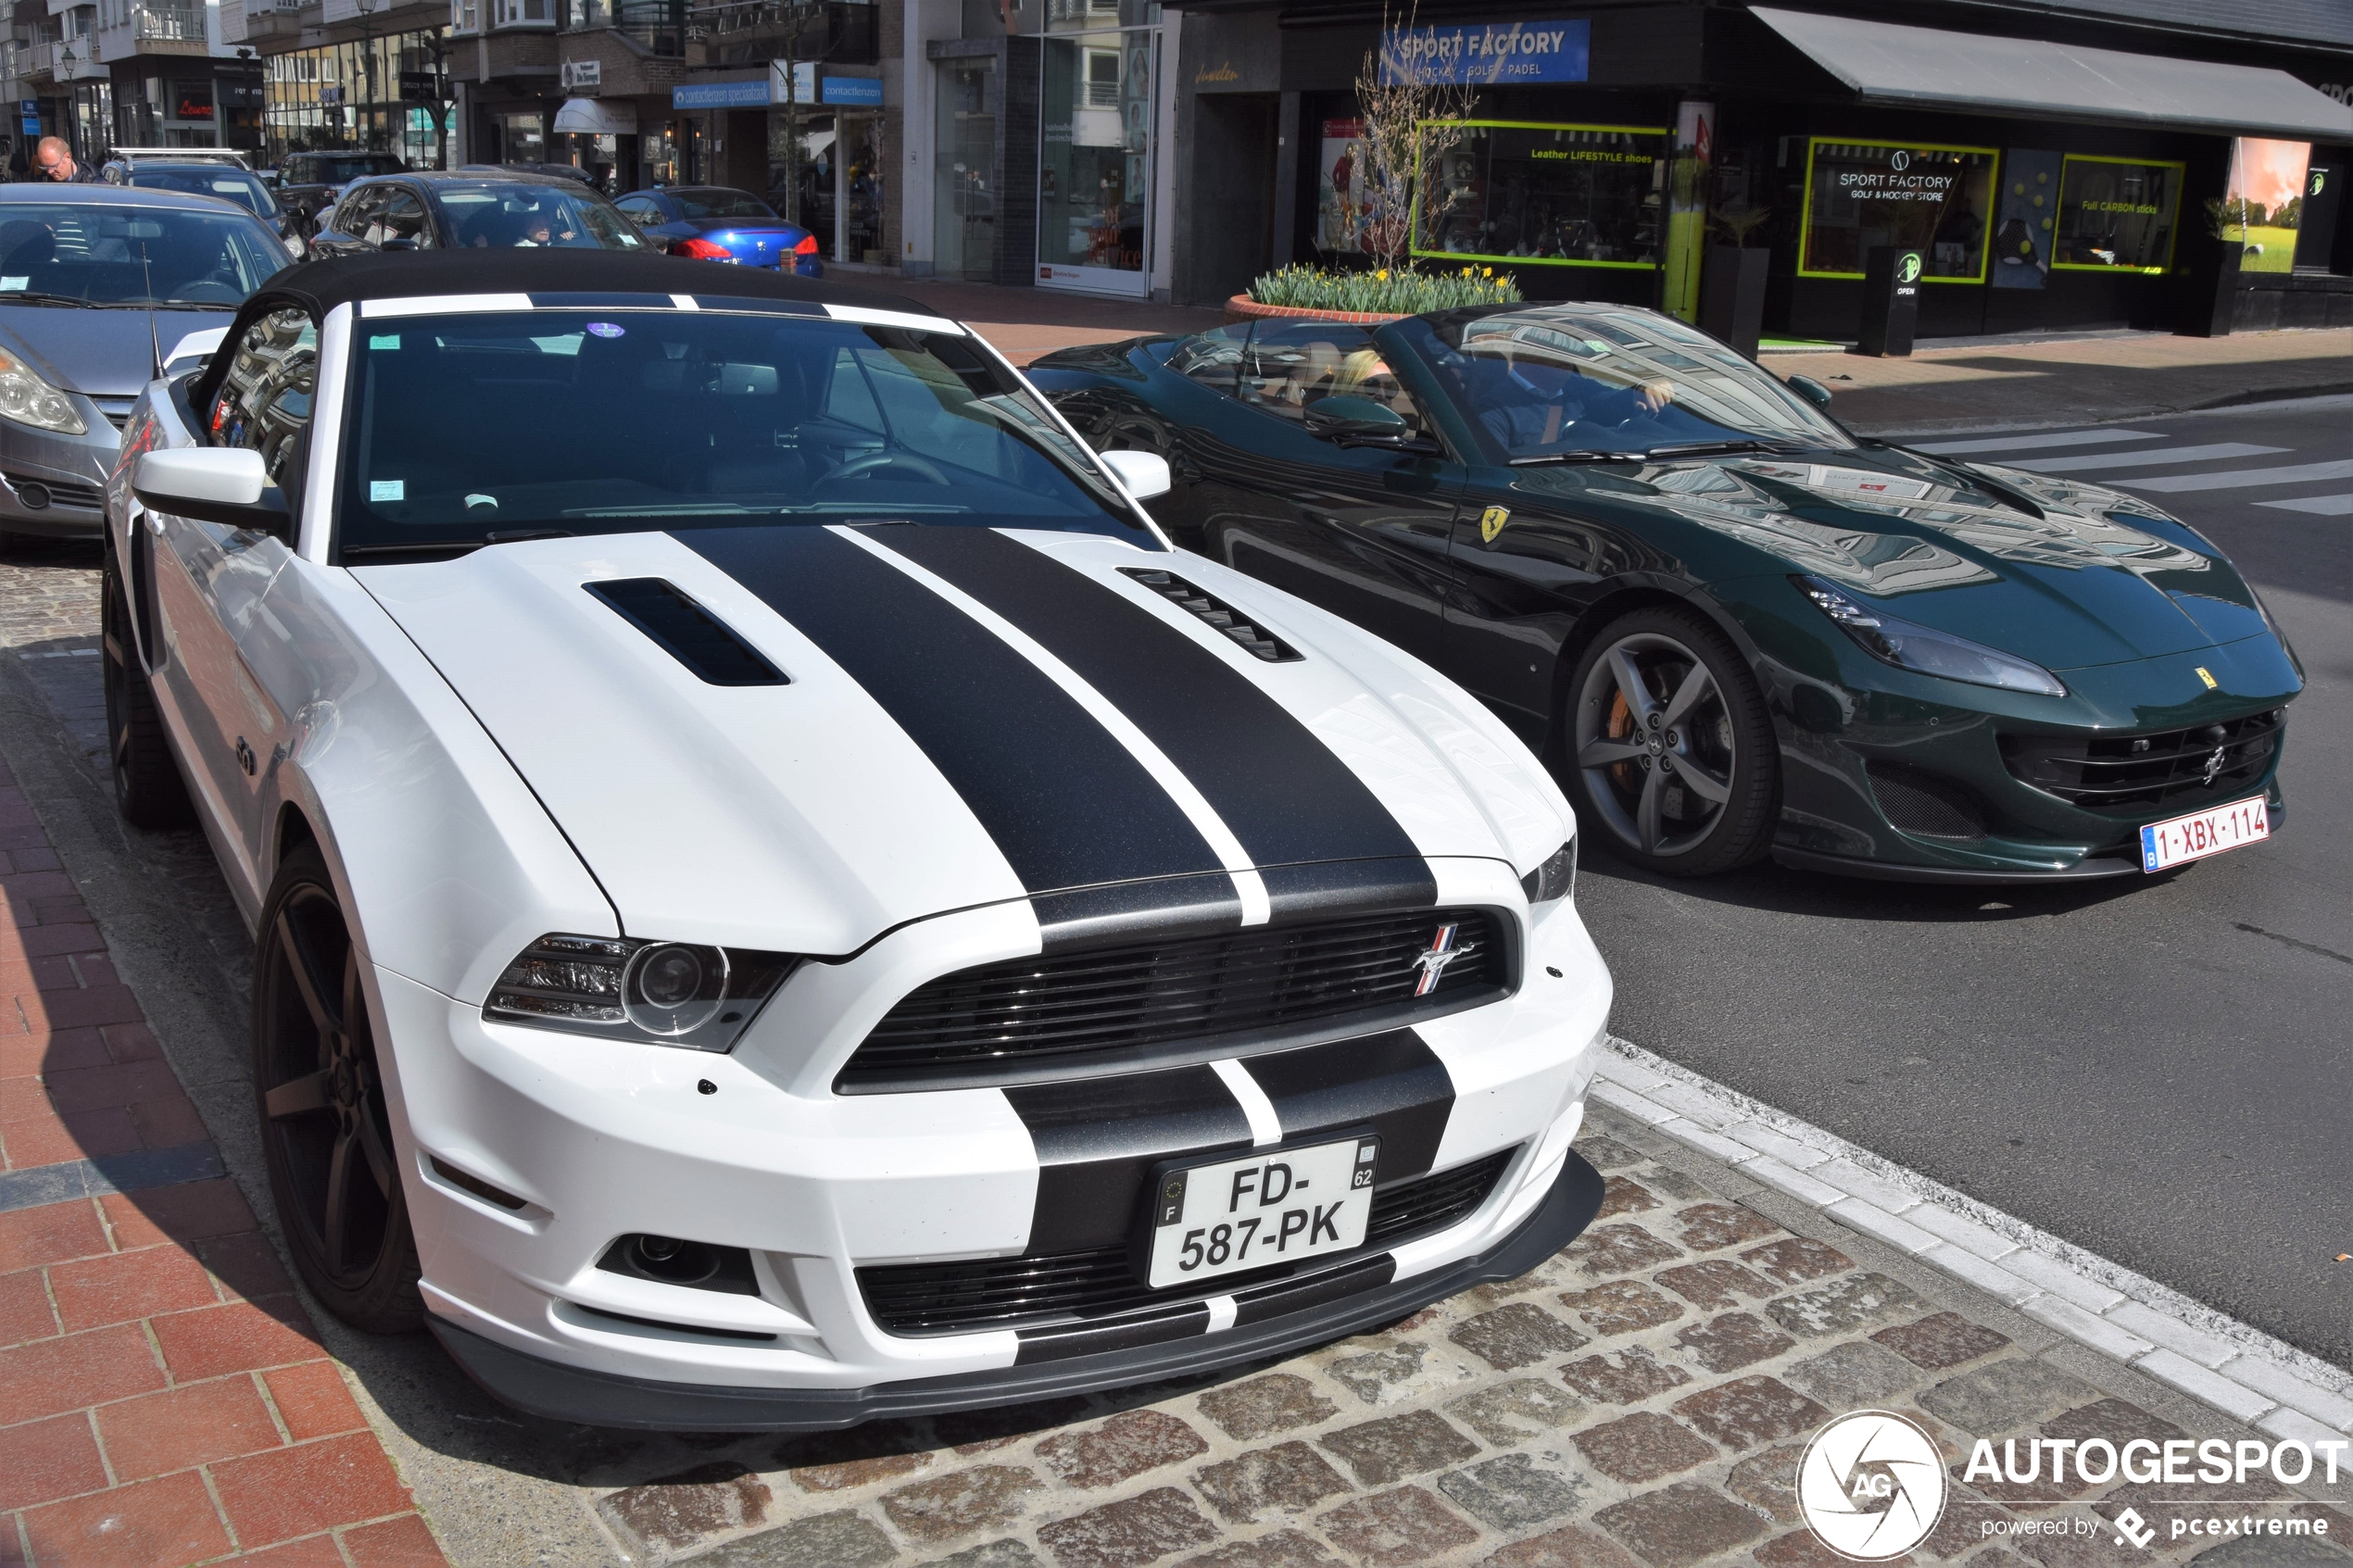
(2214, 764)
(1491, 524)
(1432, 960)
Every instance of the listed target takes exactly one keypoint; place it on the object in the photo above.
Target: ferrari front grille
(997, 1293)
(2138, 775)
(1067, 1014)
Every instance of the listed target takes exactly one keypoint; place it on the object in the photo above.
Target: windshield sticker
(13, 284)
(606, 328)
(387, 489)
(390, 339)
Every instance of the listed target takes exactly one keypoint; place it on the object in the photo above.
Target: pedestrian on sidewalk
(53, 160)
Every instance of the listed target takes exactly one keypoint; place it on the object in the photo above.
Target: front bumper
(567, 1393)
(54, 486)
(596, 1141)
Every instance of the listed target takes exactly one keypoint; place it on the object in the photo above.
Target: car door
(1361, 530)
(212, 580)
(401, 223)
(343, 231)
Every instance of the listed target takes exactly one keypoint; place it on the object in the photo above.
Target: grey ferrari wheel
(326, 1126)
(1670, 751)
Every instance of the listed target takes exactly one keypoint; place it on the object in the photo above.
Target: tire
(148, 789)
(326, 1126)
(1666, 747)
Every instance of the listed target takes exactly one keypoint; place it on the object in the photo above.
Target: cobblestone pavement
(1639, 1401)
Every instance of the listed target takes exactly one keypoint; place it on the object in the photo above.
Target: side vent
(691, 634)
(1265, 644)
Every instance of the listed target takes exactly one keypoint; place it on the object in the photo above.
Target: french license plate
(1273, 1207)
(2206, 833)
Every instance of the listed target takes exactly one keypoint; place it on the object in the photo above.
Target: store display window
(2116, 214)
(1861, 195)
(1569, 195)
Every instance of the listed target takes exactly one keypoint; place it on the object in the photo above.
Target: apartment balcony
(747, 33)
(75, 60)
(656, 27)
(267, 21)
(155, 30)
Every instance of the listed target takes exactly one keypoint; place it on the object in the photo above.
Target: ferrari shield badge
(1491, 522)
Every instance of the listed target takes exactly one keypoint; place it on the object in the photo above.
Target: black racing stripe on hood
(1169, 910)
(1282, 791)
(1098, 1139)
(1067, 803)
(1393, 1081)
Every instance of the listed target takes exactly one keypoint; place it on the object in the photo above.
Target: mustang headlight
(1911, 646)
(1556, 878)
(28, 400)
(662, 993)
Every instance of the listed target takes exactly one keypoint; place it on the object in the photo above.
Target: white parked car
(780, 898)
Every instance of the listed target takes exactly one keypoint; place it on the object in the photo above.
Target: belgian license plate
(1273, 1207)
(2206, 833)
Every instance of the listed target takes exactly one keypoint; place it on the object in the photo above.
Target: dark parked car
(211, 179)
(715, 223)
(309, 182)
(1736, 628)
(439, 211)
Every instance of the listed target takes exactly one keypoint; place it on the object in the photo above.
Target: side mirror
(1814, 392)
(1144, 473)
(1354, 419)
(223, 485)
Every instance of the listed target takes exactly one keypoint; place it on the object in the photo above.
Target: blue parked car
(714, 223)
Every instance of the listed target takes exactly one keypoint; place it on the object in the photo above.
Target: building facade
(140, 73)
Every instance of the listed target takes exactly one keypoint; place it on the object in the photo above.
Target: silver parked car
(99, 285)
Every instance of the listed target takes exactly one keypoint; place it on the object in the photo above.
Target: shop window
(1861, 195)
(1570, 196)
(2117, 215)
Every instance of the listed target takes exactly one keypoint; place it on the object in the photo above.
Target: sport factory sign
(1507, 51)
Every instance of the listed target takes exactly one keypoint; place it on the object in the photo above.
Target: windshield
(473, 427)
(132, 256)
(508, 212)
(229, 184)
(1564, 379)
(329, 170)
(720, 203)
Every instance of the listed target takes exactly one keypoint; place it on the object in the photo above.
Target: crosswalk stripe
(2033, 443)
(2295, 473)
(2144, 459)
(2319, 506)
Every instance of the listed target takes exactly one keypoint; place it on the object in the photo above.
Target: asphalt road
(2158, 1069)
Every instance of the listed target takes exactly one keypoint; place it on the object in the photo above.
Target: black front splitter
(601, 1398)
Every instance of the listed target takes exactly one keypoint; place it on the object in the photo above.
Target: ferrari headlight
(1910, 647)
(28, 400)
(662, 993)
(1556, 878)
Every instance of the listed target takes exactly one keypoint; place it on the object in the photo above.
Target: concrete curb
(2126, 1316)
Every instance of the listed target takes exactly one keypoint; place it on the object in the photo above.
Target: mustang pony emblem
(1491, 524)
(1432, 960)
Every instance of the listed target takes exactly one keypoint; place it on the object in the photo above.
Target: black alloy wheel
(148, 789)
(1670, 748)
(326, 1124)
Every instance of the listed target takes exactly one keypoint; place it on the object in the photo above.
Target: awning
(1926, 67)
(594, 116)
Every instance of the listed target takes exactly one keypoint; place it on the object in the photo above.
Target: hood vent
(1265, 644)
(691, 634)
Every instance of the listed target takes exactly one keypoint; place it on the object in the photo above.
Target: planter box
(1241, 307)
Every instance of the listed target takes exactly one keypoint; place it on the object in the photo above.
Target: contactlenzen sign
(1503, 52)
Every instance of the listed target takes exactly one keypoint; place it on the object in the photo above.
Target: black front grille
(997, 1293)
(59, 492)
(1108, 1007)
(1924, 805)
(2134, 775)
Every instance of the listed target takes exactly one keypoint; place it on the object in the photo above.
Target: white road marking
(2297, 473)
(1257, 906)
(1265, 1128)
(2033, 443)
(2219, 450)
(2319, 506)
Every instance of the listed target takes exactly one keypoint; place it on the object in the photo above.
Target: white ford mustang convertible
(781, 899)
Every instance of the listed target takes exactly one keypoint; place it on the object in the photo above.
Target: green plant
(1740, 222)
(1388, 291)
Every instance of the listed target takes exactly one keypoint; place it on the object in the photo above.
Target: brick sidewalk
(164, 1400)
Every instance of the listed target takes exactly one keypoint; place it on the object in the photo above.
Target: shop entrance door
(1094, 162)
(963, 220)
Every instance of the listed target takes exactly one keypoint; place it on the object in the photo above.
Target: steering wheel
(873, 460)
(208, 291)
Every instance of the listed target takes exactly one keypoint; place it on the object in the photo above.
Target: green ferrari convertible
(1737, 629)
